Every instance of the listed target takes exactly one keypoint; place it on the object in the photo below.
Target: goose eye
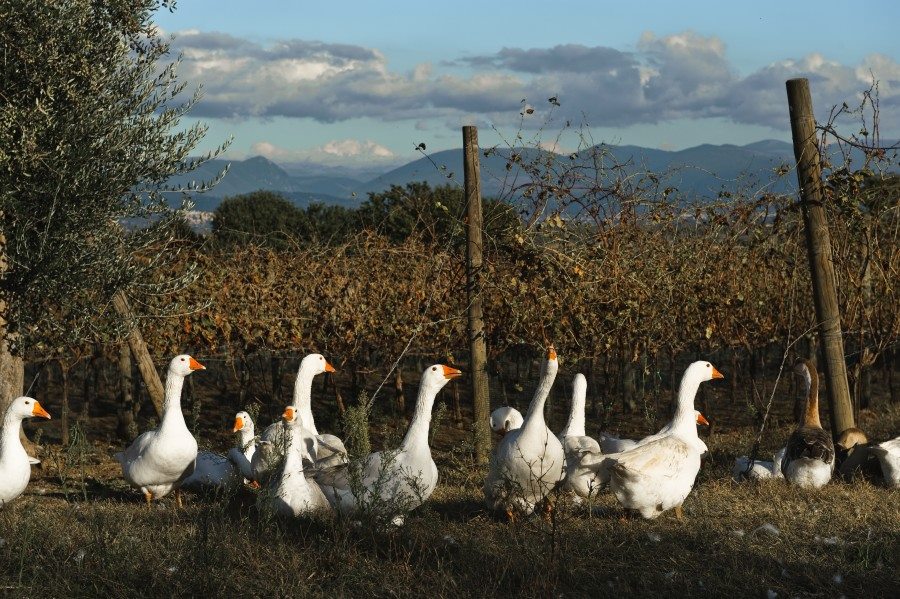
(434, 368)
(182, 359)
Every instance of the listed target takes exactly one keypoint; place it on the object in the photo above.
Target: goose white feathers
(505, 419)
(610, 443)
(888, 454)
(242, 455)
(271, 447)
(215, 471)
(760, 469)
(396, 481)
(15, 466)
(809, 456)
(529, 461)
(658, 474)
(211, 471)
(158, 460)
(576, 443)
(291, 493)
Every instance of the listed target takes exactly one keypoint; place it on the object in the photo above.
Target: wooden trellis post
(477, 348)
(818, 245)
(141, 354)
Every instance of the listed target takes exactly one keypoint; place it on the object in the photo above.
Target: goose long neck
(172, 415)
(9, 433)
(575, 425)
(535, 413)
(303, 399)
(293, 460)
(245, 435)
(685, 418)
(811, 417)
(417, 433)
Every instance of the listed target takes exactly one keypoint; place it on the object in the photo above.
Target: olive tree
(90, 108)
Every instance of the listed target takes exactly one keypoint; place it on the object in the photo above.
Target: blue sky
(361, 83)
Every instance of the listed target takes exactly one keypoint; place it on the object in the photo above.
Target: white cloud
(354, 147)
(339, 151)
(686, 75)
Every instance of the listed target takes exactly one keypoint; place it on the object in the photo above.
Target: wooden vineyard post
(477, 349)
(818, 246)
(12, 366)
(141, 354)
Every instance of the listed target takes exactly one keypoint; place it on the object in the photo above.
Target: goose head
(290, 415)
(505, 419)
(314, 364)
(27, 407)
(803, 368)
(243, 423)
(850, 438)
(701, 371)
(551, 364)
(847, 441)
(436, 376)
(184, 365)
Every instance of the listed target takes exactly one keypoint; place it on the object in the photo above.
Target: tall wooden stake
(141, 354)
(818, 245)
(12, 367)
(477, 349)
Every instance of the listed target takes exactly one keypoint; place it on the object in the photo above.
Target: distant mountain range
(699, 171)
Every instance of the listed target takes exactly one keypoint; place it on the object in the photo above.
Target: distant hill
(699, 171)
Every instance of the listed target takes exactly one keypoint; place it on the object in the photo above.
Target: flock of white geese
(299, 470)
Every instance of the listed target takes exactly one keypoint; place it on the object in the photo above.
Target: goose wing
(663, 457)
(808, 442)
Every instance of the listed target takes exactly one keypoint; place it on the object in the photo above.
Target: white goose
(15, 466)
(158, 460)
(889, 455)
(658, 474)
(242, 455)
(291, 493)
(215, 471)
(270, 448)
(393, 482)
(576, 443)
(505, 419)
(529, 461)
(809, 457)
(760, 470)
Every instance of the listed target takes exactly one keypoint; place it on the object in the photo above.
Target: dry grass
(96, 538)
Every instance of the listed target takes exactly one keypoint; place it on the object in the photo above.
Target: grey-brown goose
(809, 456)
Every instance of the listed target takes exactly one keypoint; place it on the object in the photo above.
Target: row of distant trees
(268, 219)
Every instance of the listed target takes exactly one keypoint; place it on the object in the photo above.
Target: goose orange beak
(238, 424)
(329, 367)
(702, 420)
(717, 374)
(288, 414)
(37, 410)
(551, 353)
(195, 365)
(450, 372)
